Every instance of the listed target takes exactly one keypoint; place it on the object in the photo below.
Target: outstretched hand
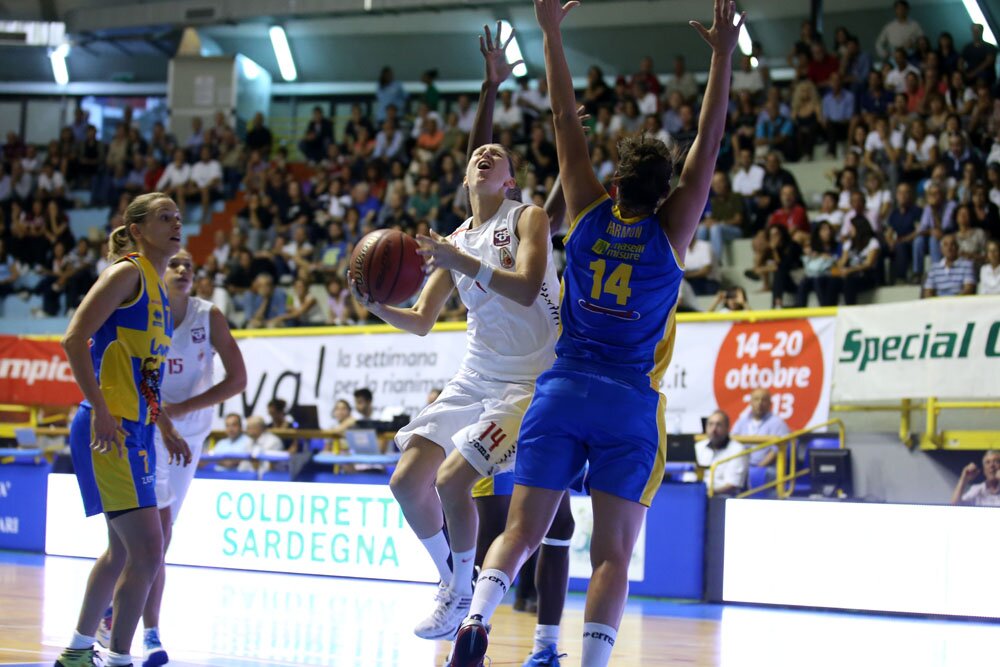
(550, 13)
(494, 53)
(725, 31)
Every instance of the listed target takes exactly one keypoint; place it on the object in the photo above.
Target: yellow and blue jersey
(129, 349)
(619, 295)
(128, 352)
(600, 404)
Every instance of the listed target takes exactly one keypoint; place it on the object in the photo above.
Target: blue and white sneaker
(104, 629)
(153, 654)
(547, 657)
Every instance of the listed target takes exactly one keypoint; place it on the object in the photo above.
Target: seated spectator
(277, 411)
(828, 211)
(781, 257)
(175, 178)
(921, 152)
(859, 206)
(900, 232)
(388, 143)
(776, 177)
(856, 270)
(363, 409)
(264, 303)
(730, 476)
(938, 219)
(837, 111)
(682, 81)
(725, 219)
(958, 155)
(748, 177)
(261, 441)
(205, 182)
(989, 273)
(792, 214)
(807, 117)
(855, 67)
(775, 132)
(822, 64)
(758, 420)
(730, 300)
(339, 302)
(881, 151)
(952, 275)
(303, 308)
(507, 115)
(971, 240)
(987, 492)
(897, 70)
(748, 78)
(819, 256)
(700, 268)
(424, 203)
(51, 183)
(878, 200)
(236, 441)
(9, 273)
(319, 134)
(985, 213)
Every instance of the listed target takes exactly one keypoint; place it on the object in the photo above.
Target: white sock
(463, 563)
(490, 589)
(546, 636)
(80, 641)
(437, 547)
(598, 640)
(118, 659)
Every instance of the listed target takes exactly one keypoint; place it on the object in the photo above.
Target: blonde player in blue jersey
(600, 403)
(116, 344)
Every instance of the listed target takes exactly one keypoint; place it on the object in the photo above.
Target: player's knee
(451, 486)
(562, 526)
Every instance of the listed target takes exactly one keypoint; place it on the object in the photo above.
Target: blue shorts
(109, 483)
(578, 417)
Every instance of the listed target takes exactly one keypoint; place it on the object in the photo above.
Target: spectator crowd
(912, 122)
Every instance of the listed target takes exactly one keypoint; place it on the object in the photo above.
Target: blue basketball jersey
(619, 296)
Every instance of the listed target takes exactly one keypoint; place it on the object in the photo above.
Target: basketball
(386, 266)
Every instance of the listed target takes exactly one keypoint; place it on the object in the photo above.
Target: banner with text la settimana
(715, 365)
(945, 348)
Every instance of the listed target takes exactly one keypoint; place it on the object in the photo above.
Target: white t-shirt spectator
(897, 35)
(699, 256)
(989, 280)
(174, 176)
(751, 81)
(980, 496)
(874, 203)
(533, 100)
(238, 445)
(895, 80)
(923, 151)
(51, 183)
(467, 119)
(648, 104)
(748, 182)
(874, 142)
(835, 218)
(505, 118)
(203, 173)
(730, 473)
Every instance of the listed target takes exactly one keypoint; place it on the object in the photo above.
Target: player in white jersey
(188, 395)
(500, 262)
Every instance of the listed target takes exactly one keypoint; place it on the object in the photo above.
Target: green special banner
(943, 347)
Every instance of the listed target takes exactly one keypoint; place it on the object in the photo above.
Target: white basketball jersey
(505, 339)
(188, 370)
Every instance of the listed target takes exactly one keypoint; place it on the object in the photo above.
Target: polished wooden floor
(224, 618)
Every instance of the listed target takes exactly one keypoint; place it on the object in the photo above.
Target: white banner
(945, 348)
(715, 365)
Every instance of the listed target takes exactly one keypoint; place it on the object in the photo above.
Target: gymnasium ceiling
(340, 40)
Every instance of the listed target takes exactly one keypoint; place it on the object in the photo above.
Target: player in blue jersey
(600, 403)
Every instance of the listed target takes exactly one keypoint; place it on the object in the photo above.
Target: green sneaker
(78, 657)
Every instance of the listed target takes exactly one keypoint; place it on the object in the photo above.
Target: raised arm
(498, 70)
(682, 211)
(579, 183)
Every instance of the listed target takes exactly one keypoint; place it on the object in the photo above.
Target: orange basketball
(386, 266)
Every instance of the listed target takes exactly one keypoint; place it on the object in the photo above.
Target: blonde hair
(120, 241)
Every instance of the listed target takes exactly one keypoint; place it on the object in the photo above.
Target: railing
(932, 438)
(783, 443)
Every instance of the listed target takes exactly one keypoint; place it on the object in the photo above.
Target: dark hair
(816, 241)
(364, 393)
(862, 233)
(278, 404)
(645, 167)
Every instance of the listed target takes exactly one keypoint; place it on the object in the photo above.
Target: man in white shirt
(682, 81)
(748, 177)
(174, 180)
(987, 492)
(533, 101)
(261, 441)
(507, 116)
(900, 33)
(206, 182)
(758, 420)
(731, 476)
(701, 269)
(51, 183)
(466, 114)
(989, 273)
(748, 78)
(895, 79)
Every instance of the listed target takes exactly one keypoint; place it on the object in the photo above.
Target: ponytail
(120, 243)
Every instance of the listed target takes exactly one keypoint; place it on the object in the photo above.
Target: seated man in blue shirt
(952, 275)
(776, 132)
(901, 230)
(838, 109)
(758, 421)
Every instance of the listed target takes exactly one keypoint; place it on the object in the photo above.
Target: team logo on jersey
(600, 246)
(157, 318)
(506, 259)
(501, 237)
(198, 335)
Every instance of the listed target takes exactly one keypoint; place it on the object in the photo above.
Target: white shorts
(173, 479)
(478, 416)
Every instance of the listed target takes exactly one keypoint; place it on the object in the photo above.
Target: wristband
(484, 275)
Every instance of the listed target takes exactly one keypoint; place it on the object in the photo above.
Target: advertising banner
(35, 372)
(946, 348)
(22, 508)
(715, 365)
